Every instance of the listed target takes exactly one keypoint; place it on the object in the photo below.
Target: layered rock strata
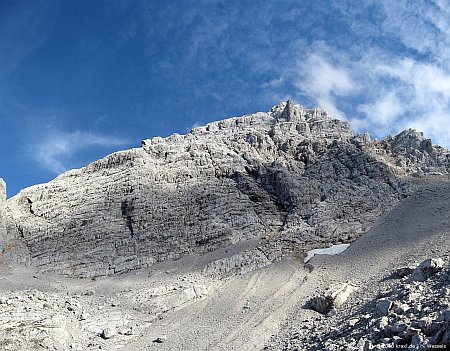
(296, 177)
(2, 214)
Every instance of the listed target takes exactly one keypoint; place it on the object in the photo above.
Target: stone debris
(427, 269)
(58, 321)
(413, 314)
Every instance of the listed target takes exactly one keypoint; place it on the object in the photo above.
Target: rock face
(2, 214)
(294, 176)
(414, 154)
(11, 243)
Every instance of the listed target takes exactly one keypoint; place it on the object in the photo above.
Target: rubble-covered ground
(233, 299)
(406, 312)
(400, 270)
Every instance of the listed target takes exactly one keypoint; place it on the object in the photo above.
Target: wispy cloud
(273, 83)
(324, 81)
(196, 124)
(381, 112)
(59, 149)
(101, 119)
(385, 89)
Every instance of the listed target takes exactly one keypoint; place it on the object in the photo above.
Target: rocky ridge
(2, 214)
(291, 179)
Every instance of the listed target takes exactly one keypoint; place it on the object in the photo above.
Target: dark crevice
(30, 203)
(127, 210)
(20, 230)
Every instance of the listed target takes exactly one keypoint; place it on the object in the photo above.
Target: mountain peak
(289, 172)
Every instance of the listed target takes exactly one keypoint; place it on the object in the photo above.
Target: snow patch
(333, 250)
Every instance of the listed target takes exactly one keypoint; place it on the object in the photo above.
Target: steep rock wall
(2, 214)
(296, 177)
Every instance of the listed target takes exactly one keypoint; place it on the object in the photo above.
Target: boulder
(108, 333)
(332, 298)
(382, 307)
(426, 269)
(405, 271)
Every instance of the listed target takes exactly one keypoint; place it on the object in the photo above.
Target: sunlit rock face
(295, 177)
(2, 214)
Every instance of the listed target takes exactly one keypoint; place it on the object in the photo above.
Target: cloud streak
(59, 148)
(324, 81)
(380, 89)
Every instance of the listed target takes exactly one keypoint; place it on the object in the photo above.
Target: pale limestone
(294, 176)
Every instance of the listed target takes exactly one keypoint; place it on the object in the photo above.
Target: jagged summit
(286, 118)
(290, 178)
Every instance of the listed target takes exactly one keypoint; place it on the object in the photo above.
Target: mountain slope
(175, 306)
(292, 177)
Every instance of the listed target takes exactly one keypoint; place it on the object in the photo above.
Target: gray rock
(446, 336)
(126, 331)
(417, 340)
(382, 307)
(398, 328)
(405, 271)
(384, 321)
(2, 192)
(84, 316)
(332, 298)
(160, 339)
(292, 171)
(3, 239)
(108, 333)
(364, 344)
(433, 328)
(444, 315)
(426, 269)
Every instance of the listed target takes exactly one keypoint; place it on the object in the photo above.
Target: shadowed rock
(295, 176)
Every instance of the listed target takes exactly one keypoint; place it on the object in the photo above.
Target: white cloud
(383, 111)
(59, 148)
(323, 81)
(378, 90)
(274, 83)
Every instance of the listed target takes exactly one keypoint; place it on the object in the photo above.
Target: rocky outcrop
(11, 241)
(293, 176)
(413, 154)
(2, 214)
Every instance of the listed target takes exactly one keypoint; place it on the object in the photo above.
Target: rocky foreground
(197, 242)
(196, 304)
(409, 311)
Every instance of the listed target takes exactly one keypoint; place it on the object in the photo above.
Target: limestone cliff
(292, 177)
(2, 214)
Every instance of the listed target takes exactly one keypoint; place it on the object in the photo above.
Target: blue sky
(81, 79)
